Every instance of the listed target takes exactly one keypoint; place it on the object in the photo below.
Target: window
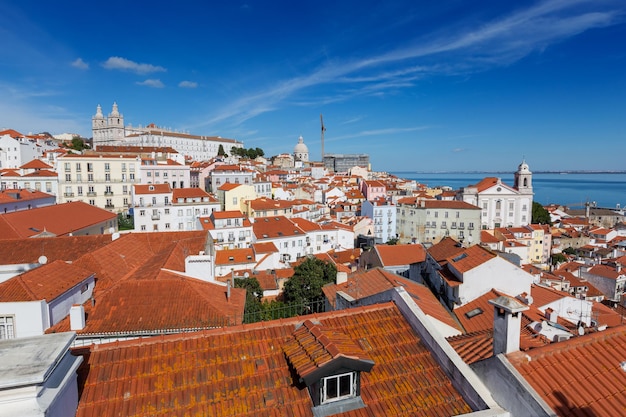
(167, 211)
(48, 187)
(107, 177)
(107, 166)
(89, 167)
(80, 190)
(68, 177)
(90, 177)
(167, 225)
(338, 387)
(7, 327)
(143, 227)
(154, 200)
(142, 212)
(92, 202)
(67, 167)
(77, 166)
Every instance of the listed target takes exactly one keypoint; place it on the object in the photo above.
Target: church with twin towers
(110, 130)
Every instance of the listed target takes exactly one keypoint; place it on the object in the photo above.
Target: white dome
(523, 167)
(300, 147)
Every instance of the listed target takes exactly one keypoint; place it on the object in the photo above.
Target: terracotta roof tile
(36, 164)
(363, 284)
(391, 255)
(60, 219)
(243, 371)
(190, 193)
(445, 248)
(583, 373)
(67, 248)
(470, 258)
(152, 189)
(44, 283)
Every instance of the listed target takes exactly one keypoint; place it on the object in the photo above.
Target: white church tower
(109, 131)
(523, 179)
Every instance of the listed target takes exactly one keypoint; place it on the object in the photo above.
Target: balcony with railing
(68, 194)
(108, 193)
(109, 206)
(91, 194)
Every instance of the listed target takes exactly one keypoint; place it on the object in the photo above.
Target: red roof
(582, 373)
(59, 219)
(36, 164)
(190, 193)
(363, 284)
(152, 189)
(243, 371)
(44, 283)
(391, 255)
(470, 258)
(66, 248)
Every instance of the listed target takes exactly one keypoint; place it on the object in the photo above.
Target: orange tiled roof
(169, 301)
(447, 247)
(8, 195)
(36, 164)
(44, 283)
(470, 258)
(60, 219)
(391, 255)
(228, 214)
(228, 186)
(223, 257)
(582, 373)
(275, 227)
(189, 193)
(313, 346)
(363, 284)
(243, 371)
(152, 188)
(66, 248)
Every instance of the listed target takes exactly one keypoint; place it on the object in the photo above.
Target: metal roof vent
(623, 365)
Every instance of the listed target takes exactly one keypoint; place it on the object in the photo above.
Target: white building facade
(502, 205)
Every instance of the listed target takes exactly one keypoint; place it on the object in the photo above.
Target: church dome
(300, 148)
(523, 167)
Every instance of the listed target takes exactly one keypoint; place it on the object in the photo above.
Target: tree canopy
(251, 153)
(309, 277)
(539, 214)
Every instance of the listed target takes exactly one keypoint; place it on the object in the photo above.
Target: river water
(607, 190)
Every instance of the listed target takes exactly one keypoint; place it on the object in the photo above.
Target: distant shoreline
(509, 172)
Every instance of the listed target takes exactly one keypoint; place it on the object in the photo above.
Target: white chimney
(341, 277)
(77, 317)
(507, 319)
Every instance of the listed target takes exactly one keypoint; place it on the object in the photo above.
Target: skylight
(473, 313)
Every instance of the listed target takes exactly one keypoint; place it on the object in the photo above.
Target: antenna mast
(323, 130)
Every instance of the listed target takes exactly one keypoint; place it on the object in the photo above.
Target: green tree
(558, 258)
(305, 287)
(259, 152)
(539, 214)
(254, 294)
(569, 251)
(220, 151)
(77, 143)
(392, 241)
(125, 222)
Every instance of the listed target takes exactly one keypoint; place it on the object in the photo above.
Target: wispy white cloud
(154, 83)
(379, 132)
(123, 64)
(498, 42)
(187, 84)
(80, 64)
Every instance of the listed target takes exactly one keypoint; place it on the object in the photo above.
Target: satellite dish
(43, 259)
(246, 275)
(581, 331)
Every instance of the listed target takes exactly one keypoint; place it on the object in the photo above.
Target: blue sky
(417, 85)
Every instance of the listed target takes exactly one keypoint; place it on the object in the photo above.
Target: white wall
(60, 307)
(31, 317)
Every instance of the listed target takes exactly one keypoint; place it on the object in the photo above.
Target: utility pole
(323, 130)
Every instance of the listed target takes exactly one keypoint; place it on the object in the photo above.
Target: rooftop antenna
(323, 130)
